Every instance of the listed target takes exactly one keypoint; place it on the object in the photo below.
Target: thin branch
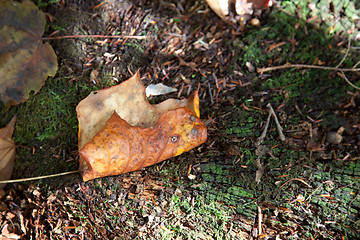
(278, 126)
(288, 65)
(297, 179)
(356, 64)
(40, 177)
(211, 96)
(346, 54)
(263, 134)
(313, 192)
(348, 81)
(259, 221)
(92, 36)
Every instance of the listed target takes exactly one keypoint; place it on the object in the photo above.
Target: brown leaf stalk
(39, 177)
(92, 36)
(288, 65)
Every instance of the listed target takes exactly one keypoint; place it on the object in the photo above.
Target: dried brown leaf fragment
(7, 151)
(25, 61)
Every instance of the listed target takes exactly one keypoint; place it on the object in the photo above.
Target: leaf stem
(92, 36)
(40, 177)
(288, 65)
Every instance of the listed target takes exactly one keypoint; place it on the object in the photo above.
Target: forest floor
(232, 186)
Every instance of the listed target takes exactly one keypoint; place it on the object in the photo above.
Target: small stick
(297, 179)
(40, 177)
(343, 76)
(260, 220)
(278, 126)
(356, 64)
(263, 134)
(211, 96)
(347, 52)
(288, 65)
(92, 36)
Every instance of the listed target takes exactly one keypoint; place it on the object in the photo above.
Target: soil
(231, 187)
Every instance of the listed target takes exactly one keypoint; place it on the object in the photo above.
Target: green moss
(210, 218)
(240, 192)
(46, 127)
(300, 46)
(45, 3)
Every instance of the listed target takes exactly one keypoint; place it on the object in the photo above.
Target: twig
(263, 134)
(92, 36)
(356, 64)
(297, 179)
(278, 126)
(260, 221)
(313, 192)
(288, 65)
(346, 54)
(40, 177)
(211, 96)
(342, 70)
(343, 76)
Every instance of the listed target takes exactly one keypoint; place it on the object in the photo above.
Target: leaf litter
(155, 202)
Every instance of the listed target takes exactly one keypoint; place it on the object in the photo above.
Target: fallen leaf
(119, 147)
(335, 137)
(242, 7)
(7, 152)
(25, 62)
(158, 89)
(220, 7)
(129, 101)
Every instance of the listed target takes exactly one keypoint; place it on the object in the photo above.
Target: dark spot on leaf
(14, 93)
(192, 118)
(99, 106)
(194, 131)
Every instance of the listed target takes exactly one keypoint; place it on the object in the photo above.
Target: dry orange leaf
(128, 100)
(119, 148)
(7, 152)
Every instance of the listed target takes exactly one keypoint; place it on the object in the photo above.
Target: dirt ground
(305, 186)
